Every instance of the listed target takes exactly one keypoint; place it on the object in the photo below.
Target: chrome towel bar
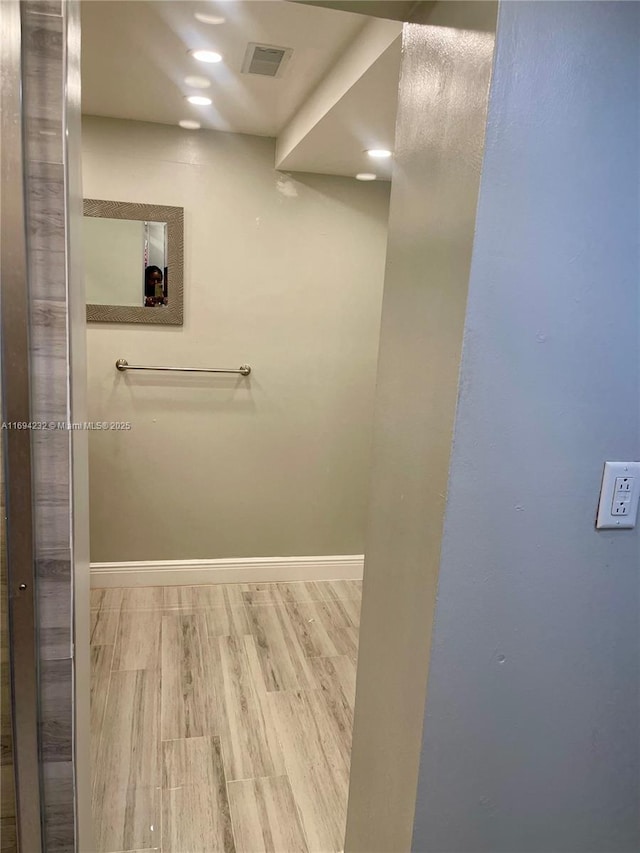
(123, 364)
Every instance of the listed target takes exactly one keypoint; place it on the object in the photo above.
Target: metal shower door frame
(16, 441)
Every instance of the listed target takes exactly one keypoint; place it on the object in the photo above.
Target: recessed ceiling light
(365, 176)
(379, 153)
(197, 82)
(199, 100)
(206, 56)
(215, 20)
(189, 125)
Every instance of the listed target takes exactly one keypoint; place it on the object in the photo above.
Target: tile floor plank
(201, 597)
(301, 591)
(344, 589)
(106, 598)
(261, 593)
(142, 598)
(337, 674)
(282, 658)
(188, 708)
(346, 611)
(103, 627)
(195, 807)
(126, 801)
(315, 766)
(138, 640)
(314, 631)
(344, 632)
(346, 640)
(101, 657)
(229, 621)
(249, 741)
(283, 592)
(265, 817)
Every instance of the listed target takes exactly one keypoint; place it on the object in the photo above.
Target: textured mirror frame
(171, 315)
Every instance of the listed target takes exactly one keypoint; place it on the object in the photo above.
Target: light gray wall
(439, 142)
(531, 734)
(283, 272)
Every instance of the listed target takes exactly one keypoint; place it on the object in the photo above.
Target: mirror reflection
(126, 262)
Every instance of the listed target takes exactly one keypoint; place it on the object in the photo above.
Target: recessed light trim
(366, 176)
(197, 82)
(214, 20)
(199, 100)
(206, 55)
(379, 153)
(188, 124)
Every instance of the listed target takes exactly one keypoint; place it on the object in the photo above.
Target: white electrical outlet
(619, 495)
(623, 485)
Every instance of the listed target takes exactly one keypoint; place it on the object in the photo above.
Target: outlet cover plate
(608, 517)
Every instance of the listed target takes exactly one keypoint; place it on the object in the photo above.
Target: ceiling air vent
(265, 59)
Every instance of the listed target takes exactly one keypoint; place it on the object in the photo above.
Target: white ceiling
(135, 57)
(364, 117)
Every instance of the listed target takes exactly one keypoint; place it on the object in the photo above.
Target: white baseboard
(250, 570)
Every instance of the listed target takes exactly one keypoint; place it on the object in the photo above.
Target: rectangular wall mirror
(133, 256)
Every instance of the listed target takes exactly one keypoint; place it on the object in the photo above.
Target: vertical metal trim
(14, 334)
(79, 496)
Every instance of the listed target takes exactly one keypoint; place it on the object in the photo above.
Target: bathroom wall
(284, 272)
(531, 727)
(446, 68)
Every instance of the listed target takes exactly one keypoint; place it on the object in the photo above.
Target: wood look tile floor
(221, 717)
